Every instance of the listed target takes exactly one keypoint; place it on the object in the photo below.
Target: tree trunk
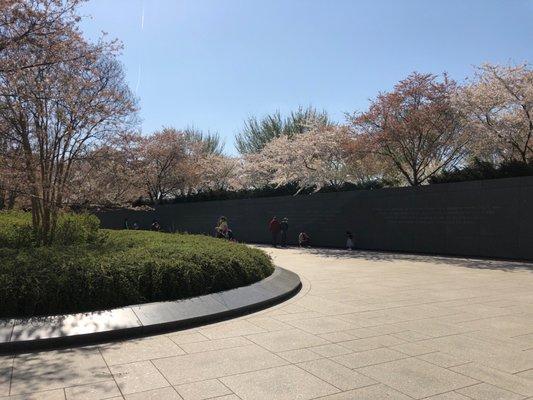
(11, 198)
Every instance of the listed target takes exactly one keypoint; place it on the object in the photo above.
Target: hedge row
(481, 170)
(129, 267)
(477, 170)
(266, 191)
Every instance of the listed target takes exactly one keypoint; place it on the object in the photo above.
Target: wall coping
(20, 335)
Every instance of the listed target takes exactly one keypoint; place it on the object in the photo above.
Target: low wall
(492, 218)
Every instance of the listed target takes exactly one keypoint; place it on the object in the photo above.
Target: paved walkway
(364, 326)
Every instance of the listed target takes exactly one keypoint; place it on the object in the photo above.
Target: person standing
(349, 240)
(275, 228)
(284, 226)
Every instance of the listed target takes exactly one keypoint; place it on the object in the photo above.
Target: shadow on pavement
(501, 265)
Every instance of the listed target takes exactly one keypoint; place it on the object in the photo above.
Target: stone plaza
(366, 325)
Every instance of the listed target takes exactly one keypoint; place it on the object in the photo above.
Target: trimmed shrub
(128, 267)
(480, 170)
(78, 229)
(16, 230)
(267, 191)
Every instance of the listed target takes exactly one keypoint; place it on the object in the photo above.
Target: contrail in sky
(139, 72)
(142, 17)
(138, 78)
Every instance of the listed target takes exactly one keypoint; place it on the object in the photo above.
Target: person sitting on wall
(274, 227)
(349, 240)
(155, 226)
(222, 228)
(304, 240)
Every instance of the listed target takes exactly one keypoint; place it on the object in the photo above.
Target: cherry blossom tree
(312, 160)
(110, 174)
(37, 33)
(217, 172)
(12, 177)
(415, 127)
(183, 162)
(255, 171)
(58, 108)
(499, 106)
(364, 165)
(160, 166)
(165, 165)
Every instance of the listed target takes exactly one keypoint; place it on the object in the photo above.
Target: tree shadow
(69, 325)
(477, 263)
(51, 370)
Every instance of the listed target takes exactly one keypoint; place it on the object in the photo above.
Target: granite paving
(366, 325)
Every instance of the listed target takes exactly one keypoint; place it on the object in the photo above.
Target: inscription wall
(436, 215)
(492, 218)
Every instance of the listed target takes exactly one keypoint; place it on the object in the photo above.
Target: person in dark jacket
(284, 226)
(274, 227)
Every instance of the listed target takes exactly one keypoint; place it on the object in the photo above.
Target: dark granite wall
(492, 218)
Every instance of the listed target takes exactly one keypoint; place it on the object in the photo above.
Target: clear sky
(213, 63)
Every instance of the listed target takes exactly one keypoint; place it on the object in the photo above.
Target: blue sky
(213, 63)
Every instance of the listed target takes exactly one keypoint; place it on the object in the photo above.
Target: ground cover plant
(86, 268)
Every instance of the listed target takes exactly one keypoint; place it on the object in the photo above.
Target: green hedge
(481, 170)
(119, 268)
(16, 230)
(289, 189)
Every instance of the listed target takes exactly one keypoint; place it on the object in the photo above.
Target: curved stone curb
(133, 321)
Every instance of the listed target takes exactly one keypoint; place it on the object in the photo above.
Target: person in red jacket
(275, 228)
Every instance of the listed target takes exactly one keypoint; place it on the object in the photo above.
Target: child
(349, 240)
(155, 226)
(304, 239)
